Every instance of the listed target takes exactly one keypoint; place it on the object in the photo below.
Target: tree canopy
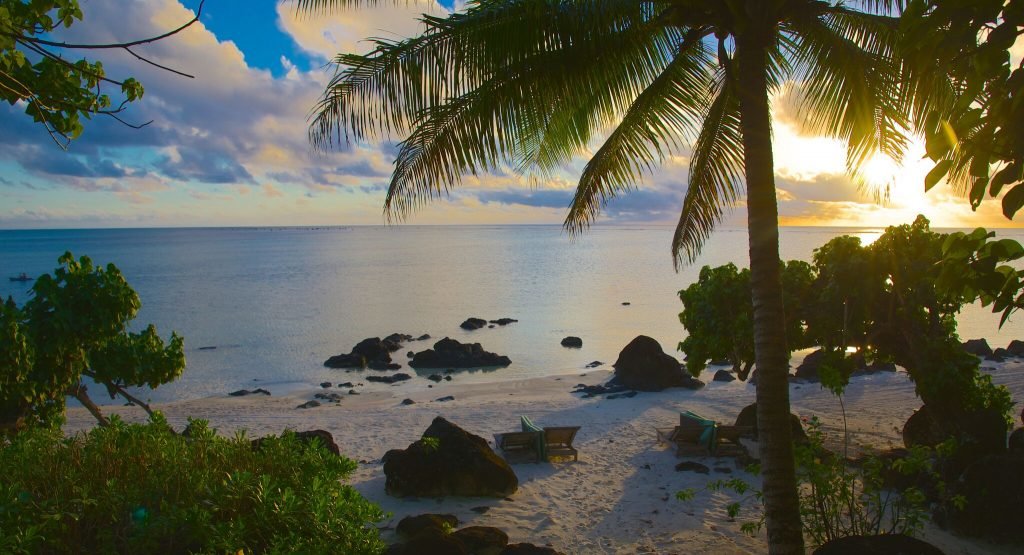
(974, 135)
(57, 93)
(76, 327)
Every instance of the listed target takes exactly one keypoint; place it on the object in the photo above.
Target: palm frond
(382, 93)
(664, 115)
(515, 117)
(716, 171)
(849, 85)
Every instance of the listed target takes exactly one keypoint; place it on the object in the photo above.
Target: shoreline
(619, 496)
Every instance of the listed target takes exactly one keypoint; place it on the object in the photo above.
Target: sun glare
(900, 185)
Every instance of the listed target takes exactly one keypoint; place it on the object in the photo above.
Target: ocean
(276, 302)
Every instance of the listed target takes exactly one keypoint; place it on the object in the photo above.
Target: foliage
(974, 267)
(841, 295)
(144, 489)
(838, 499)
(718, 315)
(58, 93)
(895, 300)
(75, 327)
(968, 130)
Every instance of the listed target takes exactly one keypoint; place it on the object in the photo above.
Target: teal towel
(529, 426)
(709, 437)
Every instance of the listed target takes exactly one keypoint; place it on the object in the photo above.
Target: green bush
(145, 489)
(840, 499)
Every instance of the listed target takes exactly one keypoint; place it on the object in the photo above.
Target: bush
(145, 489)
(838, 499)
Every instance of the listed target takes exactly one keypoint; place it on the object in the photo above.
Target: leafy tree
(842, 295)
(893, 306)
(528, 84)
(976, 267)
(972, 133)
(58, 93)
(75, 326)
(718, 315)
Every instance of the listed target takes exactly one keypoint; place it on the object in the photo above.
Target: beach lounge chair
(518, 446)
(696, 435)
(558, 441)
(537, 444)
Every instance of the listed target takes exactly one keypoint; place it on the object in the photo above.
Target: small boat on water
(21, 277)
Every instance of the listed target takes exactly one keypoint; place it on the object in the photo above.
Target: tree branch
(154, 64)
(124, 45)
(78, 391)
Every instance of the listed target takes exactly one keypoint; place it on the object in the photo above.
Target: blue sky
(229, 147)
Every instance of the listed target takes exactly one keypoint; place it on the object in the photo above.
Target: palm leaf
(662, 116)
(716, 171)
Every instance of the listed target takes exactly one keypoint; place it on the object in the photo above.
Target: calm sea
(276, 302)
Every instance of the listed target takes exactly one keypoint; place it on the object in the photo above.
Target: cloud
(347, 31)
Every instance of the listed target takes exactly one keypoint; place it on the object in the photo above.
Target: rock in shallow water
(449, 353)
(394, 378)
(572, 342)
(473, 324)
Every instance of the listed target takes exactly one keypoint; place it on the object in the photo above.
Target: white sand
(619, 497)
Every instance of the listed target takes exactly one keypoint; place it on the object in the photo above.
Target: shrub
(145, 489)
(838, 499)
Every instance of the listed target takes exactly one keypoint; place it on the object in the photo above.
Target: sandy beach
(619, 497)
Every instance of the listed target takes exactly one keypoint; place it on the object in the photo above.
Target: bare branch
(154, 64)
(124, 45)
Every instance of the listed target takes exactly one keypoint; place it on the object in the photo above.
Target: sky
(229, 147)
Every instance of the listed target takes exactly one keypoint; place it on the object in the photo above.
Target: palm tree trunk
(782, 506)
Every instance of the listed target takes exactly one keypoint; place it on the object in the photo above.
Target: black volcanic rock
(977, 347)
(885, 544)
(572, 341)
(456, 462)
(724, 376)
(449, 353)
(503, 321)
(372, 352)
(643, 365)
(473, 323)
(395, 378)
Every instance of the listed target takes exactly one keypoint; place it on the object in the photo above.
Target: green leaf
(1013, 200)
(936, 174)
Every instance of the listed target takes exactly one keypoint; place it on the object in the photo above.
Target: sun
(898, 184)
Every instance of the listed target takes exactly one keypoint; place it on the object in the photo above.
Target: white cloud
(348, 31)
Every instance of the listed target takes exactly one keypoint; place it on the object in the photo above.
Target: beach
(620, 496)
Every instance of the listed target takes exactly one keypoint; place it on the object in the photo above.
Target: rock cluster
(449, 353)
(373, 353)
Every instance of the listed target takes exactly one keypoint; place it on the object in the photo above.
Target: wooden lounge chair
(558, 441)
(696, 435)
(521, 446)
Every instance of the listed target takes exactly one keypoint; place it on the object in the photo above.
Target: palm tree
(529, 84)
